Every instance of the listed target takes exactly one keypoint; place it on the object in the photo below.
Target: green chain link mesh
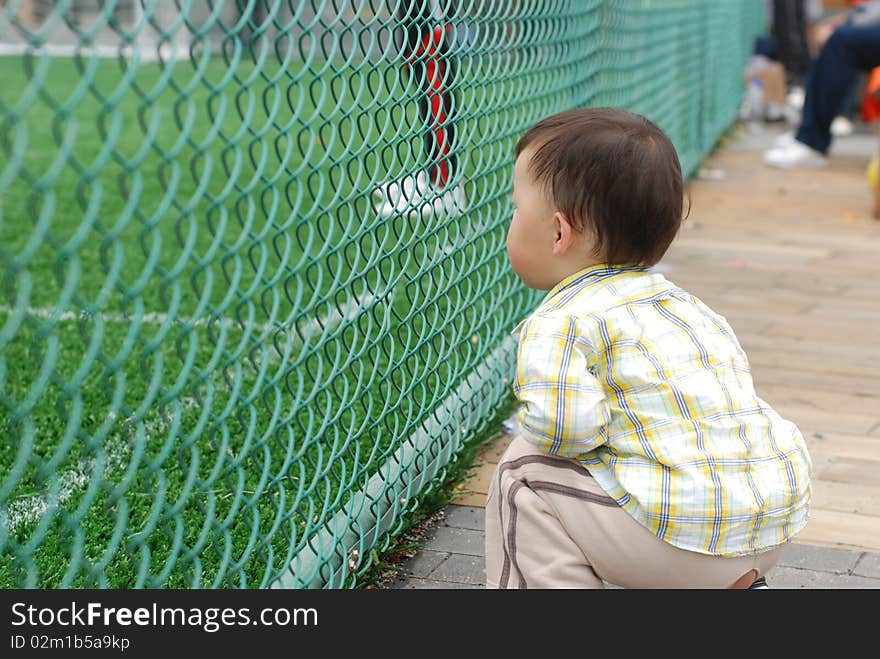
(220, 364)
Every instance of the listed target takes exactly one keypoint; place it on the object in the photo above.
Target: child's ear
(565, 233)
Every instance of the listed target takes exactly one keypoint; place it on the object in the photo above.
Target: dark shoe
(759, 584)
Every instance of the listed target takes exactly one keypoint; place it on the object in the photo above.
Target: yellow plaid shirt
(650, 390)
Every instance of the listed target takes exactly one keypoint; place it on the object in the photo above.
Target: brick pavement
(452, 557)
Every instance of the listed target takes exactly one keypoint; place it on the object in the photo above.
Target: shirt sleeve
(563, 406)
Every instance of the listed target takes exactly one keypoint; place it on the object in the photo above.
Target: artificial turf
(208, 339)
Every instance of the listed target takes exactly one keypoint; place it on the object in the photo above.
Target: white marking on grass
(147, 53)
(117, 447)
(152, 318)
(352, 308)
(27, 510)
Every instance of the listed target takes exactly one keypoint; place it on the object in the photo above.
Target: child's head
(596, 185)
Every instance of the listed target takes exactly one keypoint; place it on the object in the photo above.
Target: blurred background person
(428, 35)
(852, 49)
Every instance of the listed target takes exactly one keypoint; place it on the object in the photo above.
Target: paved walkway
(791, 259)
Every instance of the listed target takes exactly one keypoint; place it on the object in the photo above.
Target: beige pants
(550, 525)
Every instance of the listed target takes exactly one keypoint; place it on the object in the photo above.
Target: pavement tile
(465, 517)
(784, 578)
(868, 566)
(453, 559)
(828, 580)
(789, 578)
(424, 562)
(428, 584)
(457, 541)
(824, 559)
(460, 568)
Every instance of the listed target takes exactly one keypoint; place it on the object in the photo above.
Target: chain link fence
(254, 295)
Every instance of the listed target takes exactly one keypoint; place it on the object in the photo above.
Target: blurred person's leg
(843, 123)
(435, 71)
(426, 48)
(849, 51)
(255, 10)
(789, 29)
(767, 46)
(415, 16)
(866, 14)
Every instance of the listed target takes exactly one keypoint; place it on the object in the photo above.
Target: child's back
(666, 418)
(645, 457)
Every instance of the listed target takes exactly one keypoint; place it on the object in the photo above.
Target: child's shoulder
(612, 294)
(616, 303)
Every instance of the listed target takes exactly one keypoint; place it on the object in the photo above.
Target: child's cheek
(511, 257)
(518, 261)
(512, 252)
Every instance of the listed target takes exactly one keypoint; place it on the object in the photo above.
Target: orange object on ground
(871, 101)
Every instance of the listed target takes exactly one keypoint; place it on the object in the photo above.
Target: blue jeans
(849, 51)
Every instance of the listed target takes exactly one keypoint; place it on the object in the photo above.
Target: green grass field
(208, 338)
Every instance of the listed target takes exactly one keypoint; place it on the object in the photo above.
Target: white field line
(144, 53)
(48, 313)
(349, 311)
(27, 510)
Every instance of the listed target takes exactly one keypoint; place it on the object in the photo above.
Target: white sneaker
(784, 139)
(427, 200)
(795, 155)
(795, 98)
(841, 127)
(405, 195)
(776, 113)
(408, 184)
(450, 201)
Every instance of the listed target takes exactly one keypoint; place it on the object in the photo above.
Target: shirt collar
(590, 275)
(586, 277)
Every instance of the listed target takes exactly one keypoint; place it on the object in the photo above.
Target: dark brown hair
(612, 172)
